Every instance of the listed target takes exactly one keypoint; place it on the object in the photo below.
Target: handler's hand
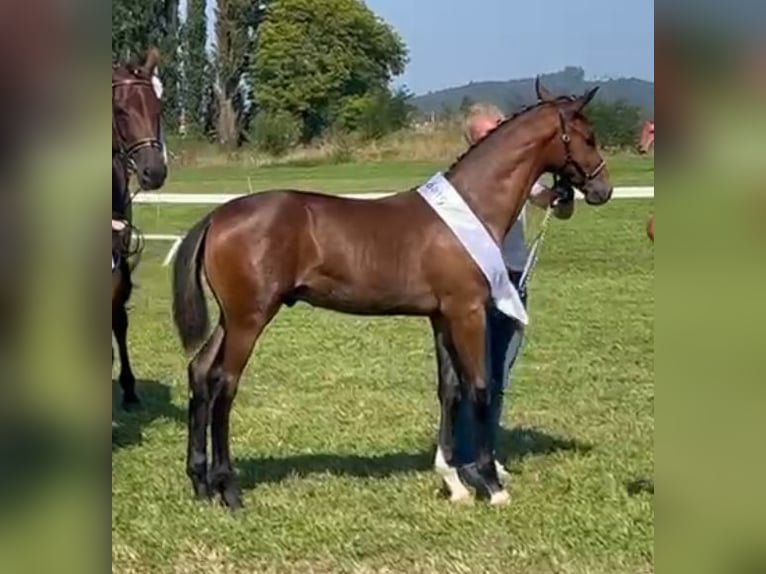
(563, 201)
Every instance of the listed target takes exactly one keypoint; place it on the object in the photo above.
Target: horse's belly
(365, 298)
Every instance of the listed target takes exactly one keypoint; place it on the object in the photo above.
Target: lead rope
(534, 251)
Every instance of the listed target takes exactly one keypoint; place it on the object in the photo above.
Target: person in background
(504, 338)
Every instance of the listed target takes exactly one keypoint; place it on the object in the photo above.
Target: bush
(374, 115)
(275, 132)
(617, 125)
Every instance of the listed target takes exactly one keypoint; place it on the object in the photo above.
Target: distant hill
(514, 94)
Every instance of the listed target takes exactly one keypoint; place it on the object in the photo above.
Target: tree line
(280, 72)
(284, 72)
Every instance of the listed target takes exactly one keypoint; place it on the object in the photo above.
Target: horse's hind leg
(199, 407)
(468, 334)
(448, 392)
(240, 338)
(127, 379)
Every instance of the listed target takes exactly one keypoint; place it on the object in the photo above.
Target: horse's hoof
(232, 500)
(455, 487)
(202, 491)
(462, 498)
(500, 498)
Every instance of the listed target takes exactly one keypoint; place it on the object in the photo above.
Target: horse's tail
(189, 306)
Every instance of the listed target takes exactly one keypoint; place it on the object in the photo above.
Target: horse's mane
(508, 120)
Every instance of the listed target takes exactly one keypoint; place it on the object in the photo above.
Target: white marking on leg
(458, 491)
(440, 464)
(502, 472)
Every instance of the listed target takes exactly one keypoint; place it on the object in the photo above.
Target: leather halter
(569, 161)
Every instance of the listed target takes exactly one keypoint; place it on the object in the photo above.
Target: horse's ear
(151, 62)
(543, 95)
(586, 99)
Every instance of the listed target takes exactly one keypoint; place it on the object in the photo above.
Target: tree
(616, 124)
(376, 114)
(140, 24)
(237, 23)
(309, 57)
(465, 104)
(195, 65)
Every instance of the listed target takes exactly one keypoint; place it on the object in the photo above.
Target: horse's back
(293, 209)
(329, 250)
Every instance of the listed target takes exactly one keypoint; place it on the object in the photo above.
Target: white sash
(453, 210)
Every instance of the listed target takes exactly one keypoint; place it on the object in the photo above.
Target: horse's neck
(115, 140)
(120, 193)
(496, 182)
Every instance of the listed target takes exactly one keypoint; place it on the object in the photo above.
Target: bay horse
(136, 148)
(389, 256)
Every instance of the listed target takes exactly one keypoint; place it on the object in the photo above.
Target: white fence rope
(220, 198)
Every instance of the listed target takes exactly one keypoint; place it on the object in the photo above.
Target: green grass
(333, 432)
(625, 169)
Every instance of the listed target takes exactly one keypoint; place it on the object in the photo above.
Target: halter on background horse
(136, 148)
(390, 256)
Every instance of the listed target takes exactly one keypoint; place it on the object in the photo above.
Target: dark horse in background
(390, 256)
(136, 148)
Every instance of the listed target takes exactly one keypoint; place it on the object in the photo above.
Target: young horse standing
(136, 147)
(391, 256)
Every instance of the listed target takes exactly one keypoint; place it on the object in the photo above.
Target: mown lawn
(333, 431)
(625, 169)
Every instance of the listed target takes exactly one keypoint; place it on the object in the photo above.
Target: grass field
(333, 429)
(625, 169)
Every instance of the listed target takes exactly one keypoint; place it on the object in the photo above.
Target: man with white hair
(504, 338)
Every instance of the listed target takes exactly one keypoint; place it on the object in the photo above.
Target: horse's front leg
(467, 330)
(449, 393)
(127, 379)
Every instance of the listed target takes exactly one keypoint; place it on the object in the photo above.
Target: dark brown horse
(391, 256)
(136, 147)
(136, 122)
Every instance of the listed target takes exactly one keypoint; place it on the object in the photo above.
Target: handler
(503, 338)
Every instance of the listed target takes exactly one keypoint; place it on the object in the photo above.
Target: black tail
(189, 305)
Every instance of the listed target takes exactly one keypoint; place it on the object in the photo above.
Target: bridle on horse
(126, 152)
(569, 160)
(125, 149)
(561, 181)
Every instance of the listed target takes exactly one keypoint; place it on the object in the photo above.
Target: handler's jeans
(504, 340)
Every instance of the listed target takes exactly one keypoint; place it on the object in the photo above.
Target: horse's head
(646, 141)
(574, 154)
(136, 121)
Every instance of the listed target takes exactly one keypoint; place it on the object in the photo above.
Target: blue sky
(453, 42)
